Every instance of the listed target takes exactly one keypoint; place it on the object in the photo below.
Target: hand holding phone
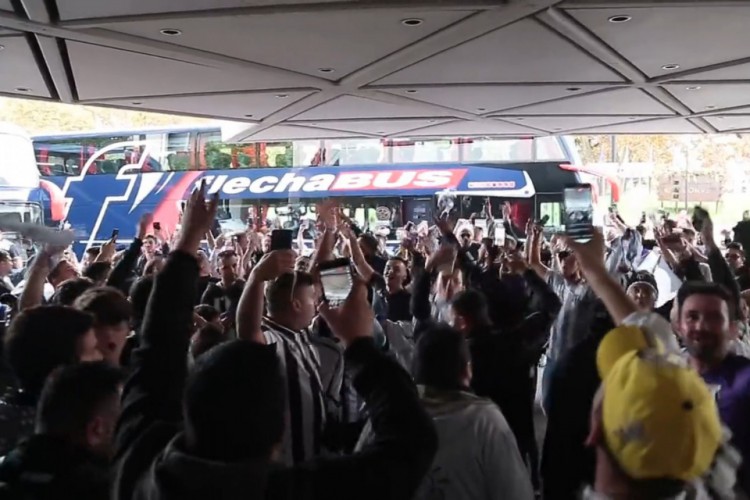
(337, 279)
(578, 213)
(157, 226)
(700, 216)
(115, 234)
(281, 239)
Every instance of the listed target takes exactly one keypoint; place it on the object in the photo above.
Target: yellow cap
(660, 419)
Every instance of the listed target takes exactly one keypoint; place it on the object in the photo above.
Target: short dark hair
(441, 357)
(73, 394)
(108, 305)
(207, 312)
(691, 288)
(42, 338)
(97, 271)
(472, 304)
(94, 251)
(279, 291)
(370, 242)
(736, 246)
(239, 420)
(69, 290)
(5, 256)
(207, 337)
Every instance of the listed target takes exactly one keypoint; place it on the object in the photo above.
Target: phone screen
(115, 233)
(579, 212)
(337, 282)
(500, 235)
(281, 239)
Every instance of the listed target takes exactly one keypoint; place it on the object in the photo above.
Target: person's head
(90, 255)
(228, 266)
(70, 290)
(746, 215)
(150, 246)
(369, 245)
(209, 313)
(654, 422)
(207, 337)
(735, 255)
(469, 311)
(238, 421)
(40, 339)
(112, 314)
(449, 283)
(154, 266)
(442, 360)
(396, 273)
(140, 291)
(465, 237)
(204, 263)
(242, 240)
(265, 243)
(706, 320)
(291, 299)
(6, 263)
(569, 265)
(81, 404)
(98, 272)
(643, 290)
(63, 271)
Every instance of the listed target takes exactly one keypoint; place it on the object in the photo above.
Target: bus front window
(17, 162)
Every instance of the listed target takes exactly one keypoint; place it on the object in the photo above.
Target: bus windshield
(17, 164)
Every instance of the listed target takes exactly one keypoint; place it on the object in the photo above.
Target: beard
(706, 347)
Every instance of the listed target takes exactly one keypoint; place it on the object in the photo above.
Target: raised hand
(198, 218)
(274, 264)
(354, 318)
(144, 225)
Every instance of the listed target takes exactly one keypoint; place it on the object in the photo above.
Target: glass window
(552, 210)
(354, 152)
(215, 154)
(179, 152)
(405, 151)
(17, 164)
(549, 149)
(497, 150)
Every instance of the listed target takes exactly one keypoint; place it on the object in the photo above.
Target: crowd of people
(207, 365)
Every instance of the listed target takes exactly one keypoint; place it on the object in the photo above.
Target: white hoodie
(477, 457)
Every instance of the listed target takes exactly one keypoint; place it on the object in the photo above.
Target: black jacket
(153, 463)
(48, 468)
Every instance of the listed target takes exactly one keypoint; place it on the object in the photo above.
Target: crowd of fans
(211, 366)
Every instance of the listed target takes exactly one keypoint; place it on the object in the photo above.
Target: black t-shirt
(399, 306)
(222, 298)
(203, 283)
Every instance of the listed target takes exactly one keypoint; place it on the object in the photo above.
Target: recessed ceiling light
(136, 103)
(326, 70)
(711, 107)
(693, 87)
(619, 19)
(430, 121)
(670, 67)
(380, 132)
(2, 47)
(573, 89)
(520, 119)
(412, 91)
(282, 96)
(719, 117)
(557, 129)
(23, 89)
(248, 116)
(481, 109)
(412, 21)
(170, 32)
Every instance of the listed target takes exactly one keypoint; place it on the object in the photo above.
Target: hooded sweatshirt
(477, 457)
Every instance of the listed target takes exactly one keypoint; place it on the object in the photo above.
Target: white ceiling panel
(15, 73)
(376, 127)
(306, 42)
(84, 9)
(700, 98)
(487, 98)
(234, 106)
(522, 52)
(473, 129)
(689, 36)
(6, 5)
(555, 124)
(667, 126)
(725, 123)
(129, 74)
(730, 72)
(615, 102)
(347, 106)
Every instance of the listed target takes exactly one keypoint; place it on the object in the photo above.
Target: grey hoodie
(477, 458)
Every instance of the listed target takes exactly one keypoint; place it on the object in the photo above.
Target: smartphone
(579, 212)
(500, 235)
(700, 215)
(157, 226)
(281, 239)
(115, 233)
(337, 279)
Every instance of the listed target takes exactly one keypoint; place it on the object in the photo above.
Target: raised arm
(154, 390)
(124, 269)
(535, 252)
(33, 290)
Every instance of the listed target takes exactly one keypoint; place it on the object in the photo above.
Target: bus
(108, 179)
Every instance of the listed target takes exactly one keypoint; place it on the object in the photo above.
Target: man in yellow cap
(654, 423)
